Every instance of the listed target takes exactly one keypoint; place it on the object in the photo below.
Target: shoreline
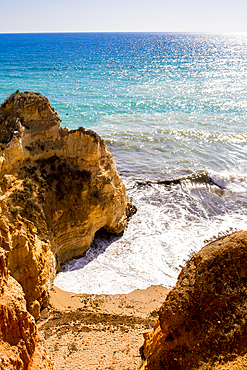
(132, 303)
(89, 331)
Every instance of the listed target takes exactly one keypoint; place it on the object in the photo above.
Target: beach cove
(172, 110)
(43, 182)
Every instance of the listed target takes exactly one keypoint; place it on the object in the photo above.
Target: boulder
(203, 319)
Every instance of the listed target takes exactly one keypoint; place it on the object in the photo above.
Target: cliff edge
(20, 344)
(203, 320)
(57, 188)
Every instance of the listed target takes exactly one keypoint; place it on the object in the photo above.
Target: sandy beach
(98, 332)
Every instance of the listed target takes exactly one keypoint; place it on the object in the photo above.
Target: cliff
(58, 187)
(203, 319)
(20, 344)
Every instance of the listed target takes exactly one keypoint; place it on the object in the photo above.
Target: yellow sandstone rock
(203, 319)
(20, 345)
(57, 187)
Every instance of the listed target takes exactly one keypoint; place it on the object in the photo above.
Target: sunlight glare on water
(171, 107)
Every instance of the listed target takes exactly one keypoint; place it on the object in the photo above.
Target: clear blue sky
(123, 15)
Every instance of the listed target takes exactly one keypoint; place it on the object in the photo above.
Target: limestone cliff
(31, 261)
(204, 317)
(20, 344)
(59, 186)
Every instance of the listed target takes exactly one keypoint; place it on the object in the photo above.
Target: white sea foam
(230, 180)
(171, 224)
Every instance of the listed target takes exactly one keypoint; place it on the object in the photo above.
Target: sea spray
(174, 220)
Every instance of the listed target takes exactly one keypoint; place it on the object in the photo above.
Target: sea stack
(58, 187)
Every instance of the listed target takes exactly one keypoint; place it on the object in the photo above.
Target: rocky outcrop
(31, 261)
(20, 344)
(59, 186)
(204, 317)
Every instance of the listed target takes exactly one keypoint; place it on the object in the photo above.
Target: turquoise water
(173, 111)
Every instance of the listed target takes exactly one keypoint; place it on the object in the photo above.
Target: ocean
(172, 109)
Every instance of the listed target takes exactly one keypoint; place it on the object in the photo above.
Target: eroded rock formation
(58, 188)
(204, 316)
(20, 344)
(31, 261)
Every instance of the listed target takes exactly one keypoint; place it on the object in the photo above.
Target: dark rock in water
(204, 316)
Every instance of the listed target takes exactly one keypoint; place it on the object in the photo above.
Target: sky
(217, 16)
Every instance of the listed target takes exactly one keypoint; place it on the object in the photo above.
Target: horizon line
(108, 32)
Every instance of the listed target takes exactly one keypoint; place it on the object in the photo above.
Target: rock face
(31, 261)
(59, 186)
(204, 316)
(20, 344)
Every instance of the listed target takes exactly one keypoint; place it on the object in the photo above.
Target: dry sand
(105, 332)
(99, 332)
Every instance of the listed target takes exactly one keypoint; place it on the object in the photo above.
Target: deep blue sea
(173, 111)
